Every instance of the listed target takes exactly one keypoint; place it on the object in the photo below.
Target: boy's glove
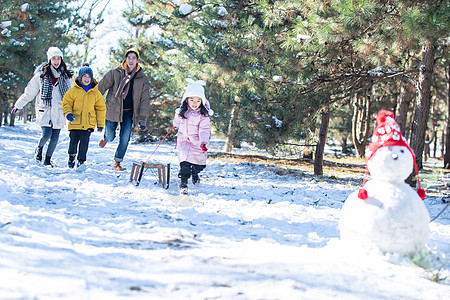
(14, 110)
(203, 147)
(70, 117)
(142, 125)
(99, 129)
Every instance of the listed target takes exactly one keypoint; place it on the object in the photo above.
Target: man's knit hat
(132, 50)
(196, 89)
(85, 70)
(53, 51)
(387, 133)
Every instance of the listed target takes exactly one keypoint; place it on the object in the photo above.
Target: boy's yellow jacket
(89, 107)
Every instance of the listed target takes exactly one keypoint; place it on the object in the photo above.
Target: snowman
(386, 213)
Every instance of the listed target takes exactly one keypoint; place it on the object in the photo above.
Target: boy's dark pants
(187, 169)
(79, 139)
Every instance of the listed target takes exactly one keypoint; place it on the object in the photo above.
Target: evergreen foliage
(286, 61)
(86, 16)
(233, 47)
(26, 32)
(278, 64)
(363, 46)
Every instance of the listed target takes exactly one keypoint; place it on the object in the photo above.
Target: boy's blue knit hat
(85, 70)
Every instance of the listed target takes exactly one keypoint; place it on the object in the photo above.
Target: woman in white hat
(50, 82)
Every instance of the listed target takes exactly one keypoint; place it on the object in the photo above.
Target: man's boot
(117, 167)
(102, 143)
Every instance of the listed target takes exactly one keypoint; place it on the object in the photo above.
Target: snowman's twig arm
(440, 212)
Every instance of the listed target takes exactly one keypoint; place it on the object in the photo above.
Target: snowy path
(251, 234)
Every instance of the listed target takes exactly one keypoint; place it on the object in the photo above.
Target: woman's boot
(47, 161)
(38, 154)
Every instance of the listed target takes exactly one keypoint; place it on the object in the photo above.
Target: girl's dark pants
(79, 142)
(187, 169)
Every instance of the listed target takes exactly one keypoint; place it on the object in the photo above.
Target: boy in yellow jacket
(84, 108)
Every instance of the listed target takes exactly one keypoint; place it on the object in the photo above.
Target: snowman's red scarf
(362, 193)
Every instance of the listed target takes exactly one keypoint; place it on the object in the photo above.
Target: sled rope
(440, 212)
(159, 144)
(139, 169)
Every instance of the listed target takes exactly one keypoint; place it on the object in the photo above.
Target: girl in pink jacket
(194, 130)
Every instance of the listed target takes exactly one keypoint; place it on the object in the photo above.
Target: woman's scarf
(47, 85)
(124, 85)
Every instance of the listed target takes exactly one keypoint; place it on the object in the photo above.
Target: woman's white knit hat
(53, 51)
(196, 89)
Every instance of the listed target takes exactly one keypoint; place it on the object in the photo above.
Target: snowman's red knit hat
(387, 133)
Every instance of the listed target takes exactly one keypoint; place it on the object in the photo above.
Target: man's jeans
(124, 133)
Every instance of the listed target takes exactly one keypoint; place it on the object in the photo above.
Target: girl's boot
(195, 179)
(183, 186)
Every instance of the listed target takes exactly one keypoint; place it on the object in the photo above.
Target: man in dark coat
(127, 103)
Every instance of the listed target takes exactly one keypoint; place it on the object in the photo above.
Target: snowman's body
(393, 218)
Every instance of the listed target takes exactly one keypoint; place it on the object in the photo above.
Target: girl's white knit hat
(196, 89)
(53, 51)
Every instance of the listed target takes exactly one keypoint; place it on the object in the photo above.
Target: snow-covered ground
(245, 233)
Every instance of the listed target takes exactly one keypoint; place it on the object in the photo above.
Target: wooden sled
(163, 173)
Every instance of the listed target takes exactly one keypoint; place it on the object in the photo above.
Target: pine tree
(231, 46)
(429, 22)
(27, 30)
(286, 61)
(86, 16)
(360, 45)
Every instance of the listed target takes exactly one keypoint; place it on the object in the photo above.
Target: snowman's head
(391, 164)
(389, 157)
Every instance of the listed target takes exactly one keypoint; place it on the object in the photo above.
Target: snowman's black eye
(402, 151)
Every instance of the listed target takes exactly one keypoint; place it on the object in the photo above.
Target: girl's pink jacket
(192, 131)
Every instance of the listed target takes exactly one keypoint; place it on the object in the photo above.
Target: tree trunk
(344, 146)
(422, 110)
(25, 114)
(447, 128)
(2, 104)
(360, 123)
(435, 142)
(12, 119)
(430, 136)
(403, 102)
(5, 115)
(231, 133)
(91, 23)
(310, 140)
(318, 160)
(88, 38)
